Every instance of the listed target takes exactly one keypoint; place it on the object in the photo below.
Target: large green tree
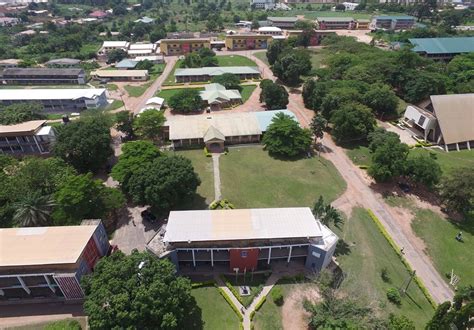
(352, 123)
(456, 190)
(291, 65)
(186, 101)
(85, 143)
(326, 213)
(32, 210)
(149, 124)
(124, 123)
(389, 160)
(165, 183)
(381, 99)
(424, 169)
(20, 112)
(284, 137)
(228, 80)
(275, 49)
(140, 292)
(275, 96)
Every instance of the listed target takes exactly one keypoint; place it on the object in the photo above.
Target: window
(421, 121)
(316, 254)
(243, 254)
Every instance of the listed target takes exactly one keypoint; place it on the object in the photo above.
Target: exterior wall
(363, 25)
(203, 78)
(59, 106)
(69, 286)
(243, 259)
(182, 46)
(316, 258)
(44, 79)
(337, 25)
(26, 145)
(283, 25)
(247, 42)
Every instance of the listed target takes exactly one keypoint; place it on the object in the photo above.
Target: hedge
(207, 153)
(231, 304)
(232, 289)
(260, 303)
(202, 284)
(402, 258)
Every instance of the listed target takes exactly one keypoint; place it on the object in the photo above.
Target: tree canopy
(456, 190)
(352, 123)
(20, 112)
(291, 64)
(284, 137)
(275, 96)
(148, 125)
(186, 100)
(138, 291)
(389, 160)
(228, 80)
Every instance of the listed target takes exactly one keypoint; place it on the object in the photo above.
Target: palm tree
(326, 213)
(33, 210)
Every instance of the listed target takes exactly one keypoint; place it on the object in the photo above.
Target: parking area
(406, 136)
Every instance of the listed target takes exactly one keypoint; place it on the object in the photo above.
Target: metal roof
(25, 127)
(282, 19)
(119, 73)
(443, 45)
(213, 134)
(116, 44)
(216, 93)
(63, 61)
(455, 114)
(394, 17)
(42, 72)
(216, 71)
(142, 46)
(243, 224)
(334, 19)
(31, 246)
(50, 94)
(126, 64)
(265, 118)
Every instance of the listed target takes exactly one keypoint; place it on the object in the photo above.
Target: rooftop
(119, 73)
(282, 19)
(265, 118)
(394, 17)
(63, 61)
(243, 224)
(334, 19)
(216, 93)
(186, 40)
(269, 29)
(50, 94)
(116, 44)
(443, 45)
(42, 72)
(25, 127)
(142, 46)
(31, 246)
(126, 64)
(216, 71)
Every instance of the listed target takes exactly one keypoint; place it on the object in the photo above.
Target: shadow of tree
(194, 320)
(342, 248)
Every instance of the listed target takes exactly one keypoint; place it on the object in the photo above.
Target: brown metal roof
(28, 127)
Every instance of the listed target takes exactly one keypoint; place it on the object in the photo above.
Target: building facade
(247, 240)
(283, 22)
(206, 73)
(262, 4)
(442, 48)
(28, 138)
(108, 46)
(57, 100)
(183, 46)
(247, 41)
(43, 76)
(315, 38)
(51, 265)
(401, 22)
(120, 75)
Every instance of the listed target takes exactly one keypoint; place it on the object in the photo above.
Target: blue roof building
(442, 48)
(126, 64)
(265, 118)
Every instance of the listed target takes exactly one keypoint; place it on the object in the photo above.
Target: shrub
(384, 275)
(231, 304)
(63, 325)
(207, 153)
(232, 289)
(260, 303)
(277, 296)
(394, 296)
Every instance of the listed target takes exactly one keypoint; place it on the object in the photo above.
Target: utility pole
(409, 281)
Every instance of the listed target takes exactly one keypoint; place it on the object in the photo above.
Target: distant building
(99, 14)
(217, 96)
(401, 22)
(363, 24)
(183, 46)
(448, 121)
(350, 5)
(336, 23)
(126, 64)
(9, 21)
(315, 38)
(39, 263)
(442, 48)
(28, 138)
(108, 46)
(270, 30)
(247, 41)
(246, 240)
(120, 75)
(141, 50)
(63, 63)
(43, 76)
(262, 4)
(9, 63)
(206, 73)
(155, 59)
(283, 22)
(145, 20)
(57, 100)
(154, 103)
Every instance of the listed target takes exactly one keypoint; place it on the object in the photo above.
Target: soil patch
(293, 314)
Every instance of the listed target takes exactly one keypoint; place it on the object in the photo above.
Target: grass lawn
(360, 155)
(203, 167)
(170, 80)
(268, 182)
(255, 284)
(65, 324)
(366, 253)
(449, 161)
(262, 56)
(111, 87)
(115, 105)
(247, 90)
(136, 91)
(54, 116)
(215, 311)
(316, 58)
(234, 60)
(167, 93)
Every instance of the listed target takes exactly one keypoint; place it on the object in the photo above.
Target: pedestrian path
(217, 177)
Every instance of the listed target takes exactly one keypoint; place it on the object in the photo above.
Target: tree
(33, 210)
(116, 55)
(192, 60)
(144, 65)
(228, 80)
(148, 125)
(336, 98)
(284, 137)
(352, 122)
(255, 25)
(424, 169)
(275, 49)
(84, 143)
(380, 136)
(326, 213)
(388, 160)
(291, 65)
(82, 197)
(456, 190)
(20, 112)
(186, 100)
(275, 96)
(381, 99)
(138, 291)
(318, 125)
(164, 183)
(208, 57)
(400, 322)
(134, 155)
(124, 123)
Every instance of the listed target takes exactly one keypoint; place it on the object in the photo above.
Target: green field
(115, 105)
(247, 90)
(203, 167)
(365, 253)
(234, 60)
(255, 283)
(317, 57)
(136, 91)
(170, 80)
(268, 182)
(262, 56)
(66, 324)
(215, 311)
(360, 155)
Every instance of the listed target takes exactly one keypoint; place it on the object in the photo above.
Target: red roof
(98, 14)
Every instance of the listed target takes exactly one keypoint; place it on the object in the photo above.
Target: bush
(232, 289)
(260, 303)
(231, 304)
(277, 296)
(394, 296)
(207, 153)
(202, 284)
(221, 204)
(384, 275)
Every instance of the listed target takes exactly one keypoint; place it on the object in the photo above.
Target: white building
(108, 46)
(270, 30)
(263, 4)
(350, 5)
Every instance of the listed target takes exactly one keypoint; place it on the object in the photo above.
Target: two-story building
(394, 22)
(336, 23)
(247, 41)
(29, 138)
(283, 22)
(43, 76)
(183, 46)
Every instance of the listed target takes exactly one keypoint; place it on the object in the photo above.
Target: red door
(243, 259)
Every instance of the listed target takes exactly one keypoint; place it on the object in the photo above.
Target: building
(363, 24)
(108, 46)
(145, 20)
(283, 22)
(9, 63)
(120, 75)
(28, 138)
(216, 131)
(183, 46)
(47, 263)
(270, 30)
(350, 5)
(247, 41)
(56, 100)
(155, 59)
(448, 121)
(442, 48)
(206, 73)
(246, 240)
(141, 50)
(336, 23)
(43, 76)
(402, 22)
(217, 96)
(126, 64)
(262, 4)
(63, 63)
(9, 21)
(154, 103)
(315, 38)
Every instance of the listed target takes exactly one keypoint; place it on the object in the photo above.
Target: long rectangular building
(442, 48)
(397, 22)
(336, 23)
(120, 75)
(206, 73)
(47, 263)
(183, 46)
(247, 41)
(29, 138)
(57, 100)
(244, 240)
(43, 76)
